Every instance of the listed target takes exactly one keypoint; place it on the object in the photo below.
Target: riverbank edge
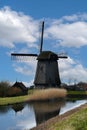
(38, 95)
(26, 98)
(46, 125)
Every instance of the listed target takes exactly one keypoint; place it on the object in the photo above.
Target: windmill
(47, 72)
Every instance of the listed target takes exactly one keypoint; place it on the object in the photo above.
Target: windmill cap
(47, 55)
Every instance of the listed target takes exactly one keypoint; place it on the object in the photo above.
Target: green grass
(12, 100)
(43, 94)
(35, 95)
(76, 95)
(77, 92)
(77, 121)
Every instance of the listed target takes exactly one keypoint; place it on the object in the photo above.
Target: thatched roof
(20, 85)
(47, 55)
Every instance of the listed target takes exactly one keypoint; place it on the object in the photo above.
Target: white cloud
(17, 28)
(69, 31)
(23, 70)
(28, 84)
(75, 17)
(71, 70)
(26, 68)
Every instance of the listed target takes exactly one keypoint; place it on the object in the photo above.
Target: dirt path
(52, 121)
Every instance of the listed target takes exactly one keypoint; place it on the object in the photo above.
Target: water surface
(27, 116)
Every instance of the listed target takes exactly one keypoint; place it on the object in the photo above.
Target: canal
(26, 116)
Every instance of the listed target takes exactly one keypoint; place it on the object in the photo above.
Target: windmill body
(47, 71)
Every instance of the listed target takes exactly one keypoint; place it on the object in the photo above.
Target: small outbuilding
(18, 89)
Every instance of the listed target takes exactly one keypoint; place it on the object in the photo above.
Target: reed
(35, 95)
(48, 94)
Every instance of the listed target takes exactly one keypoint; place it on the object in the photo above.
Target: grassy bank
(13, 100)
(76, 95)
(77, 92)
(75, 119)
(43, 94)
(35, 95)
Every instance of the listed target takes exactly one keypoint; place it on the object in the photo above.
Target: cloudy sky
(65, 32)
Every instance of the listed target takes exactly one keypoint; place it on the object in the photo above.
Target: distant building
(82, 85)
(75, 87)
(20, 86)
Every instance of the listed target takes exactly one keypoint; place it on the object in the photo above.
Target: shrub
(4, 87)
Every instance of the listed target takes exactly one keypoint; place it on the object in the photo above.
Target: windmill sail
(62, 56)
(42, 37)
(22, 56)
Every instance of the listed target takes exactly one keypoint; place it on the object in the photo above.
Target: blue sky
(65, 31)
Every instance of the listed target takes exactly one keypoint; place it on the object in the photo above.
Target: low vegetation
(77, 92)
(35, 95)
(76, 95)
(14, 91)
(6, 94)
(13, 100)
(48, 94)
(6, 90)
(38, 95)
(4, 87)
(77, 121)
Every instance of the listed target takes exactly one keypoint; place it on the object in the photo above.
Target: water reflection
(26, 116)
(18, 107)
(14, 119)
(46, 110)
(4, 109)
(71, 105)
